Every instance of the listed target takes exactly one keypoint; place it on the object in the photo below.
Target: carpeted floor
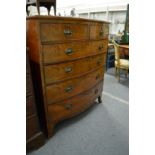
(123, 80)
(101, 130)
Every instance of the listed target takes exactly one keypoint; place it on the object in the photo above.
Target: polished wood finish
(67, 58)
(124, 51)
(58, 72)
(56, 32)
(74, 105)
(71, 51)
(62, 90)
(34, 135)
(99, 31)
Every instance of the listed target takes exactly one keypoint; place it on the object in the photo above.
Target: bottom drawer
(74, 105)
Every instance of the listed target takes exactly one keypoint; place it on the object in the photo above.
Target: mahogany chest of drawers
(34, 136)
(67, 58)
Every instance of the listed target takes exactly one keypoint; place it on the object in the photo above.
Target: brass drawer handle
(67, 32)
(97, 76)
(96, 91)
(68, 106)
(68, 69)
(69, 51)
(69, 89)
(100, 47)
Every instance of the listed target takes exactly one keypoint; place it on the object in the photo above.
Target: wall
(117, 19)
(114, 13)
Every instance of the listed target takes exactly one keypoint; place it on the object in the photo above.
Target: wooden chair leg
(115, 71)
(38, 6)
(50, 129)
(126, 75)
(55, 10)
(119, 74)
(27, 11)
(48, 12)
(100, 99)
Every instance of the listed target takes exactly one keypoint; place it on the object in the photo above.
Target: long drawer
(58, 72)
(69, 51)
(63, 90)
(56, 32)
(74, 105)
(99, 31)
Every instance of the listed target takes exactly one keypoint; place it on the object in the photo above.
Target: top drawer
(57, 32)
(99, 31)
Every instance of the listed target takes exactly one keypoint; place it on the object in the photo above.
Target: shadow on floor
(75, 119)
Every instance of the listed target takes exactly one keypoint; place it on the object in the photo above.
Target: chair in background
(38, 3)
(110, 58)
(120, 63)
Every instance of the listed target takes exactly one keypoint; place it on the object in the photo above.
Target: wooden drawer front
(28, 85)
(99, 31)
(63, 32)
(32, 126)
(74, 105)
(30, 108)
(70, 51)
(63, 90)
(58, 72)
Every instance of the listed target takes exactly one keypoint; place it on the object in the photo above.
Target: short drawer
(99, 31)
(69, 51)
(63, 90)
(32, 126)
(30, 107)
(74, 105)
(63, 71)
(57, 32)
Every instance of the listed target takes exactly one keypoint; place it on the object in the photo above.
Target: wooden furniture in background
(67, 57)
(34, 136)
(39, 3)
(119, 62)
(124, 51)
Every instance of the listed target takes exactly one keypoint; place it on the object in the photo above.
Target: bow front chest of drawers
(67, 58)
